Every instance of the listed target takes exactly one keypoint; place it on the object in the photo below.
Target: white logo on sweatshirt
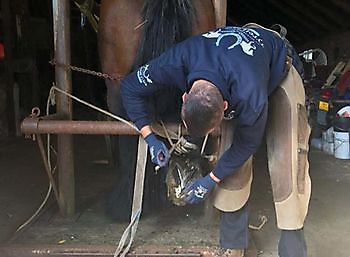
(200, 191)
(247, 39)
(143, 75)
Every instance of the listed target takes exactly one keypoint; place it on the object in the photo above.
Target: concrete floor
(327, 228)
(23, 185)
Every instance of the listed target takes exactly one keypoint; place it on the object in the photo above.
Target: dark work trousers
(234, 229)
(234, 235)
(292, 244)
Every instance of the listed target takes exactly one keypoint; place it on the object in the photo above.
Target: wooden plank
(343, 4)
(332, 17)
(309, 14)
(220, 8)
(297, 17)
(258, 13)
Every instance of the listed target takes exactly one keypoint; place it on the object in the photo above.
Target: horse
(131, 32)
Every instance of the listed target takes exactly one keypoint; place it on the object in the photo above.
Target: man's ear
(225, 105)
(184, 95)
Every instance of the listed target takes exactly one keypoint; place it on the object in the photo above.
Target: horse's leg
(118, 42)
(205, 16)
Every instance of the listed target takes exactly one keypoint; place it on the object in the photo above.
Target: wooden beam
(298, 18)
(260, 13)
(220, 8)
(307, 13)
(335, 19)
(342, 4)
(265, 15)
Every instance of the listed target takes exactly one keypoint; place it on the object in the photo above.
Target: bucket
(341, 125)
(341, 145)
(328, 141)
(341, 121)
(344, 110)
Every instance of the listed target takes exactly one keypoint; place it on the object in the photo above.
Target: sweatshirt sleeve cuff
(213, 177)
(218, 175)
(141, 123)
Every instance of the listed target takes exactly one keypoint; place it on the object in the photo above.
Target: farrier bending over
(231, 72)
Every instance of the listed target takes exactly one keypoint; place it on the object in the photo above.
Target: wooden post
(61, 21)
(220, 8)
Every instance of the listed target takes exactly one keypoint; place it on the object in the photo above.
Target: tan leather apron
(287, 146)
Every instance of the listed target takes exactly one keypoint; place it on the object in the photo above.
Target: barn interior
(26, 77)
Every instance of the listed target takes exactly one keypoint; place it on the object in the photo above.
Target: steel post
(65, 158)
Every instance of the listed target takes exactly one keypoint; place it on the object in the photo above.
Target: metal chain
(86, 71)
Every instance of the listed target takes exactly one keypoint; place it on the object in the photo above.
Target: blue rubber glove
(159, 152)
(199, 189)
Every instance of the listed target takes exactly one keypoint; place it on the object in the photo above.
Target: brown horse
(131, 32)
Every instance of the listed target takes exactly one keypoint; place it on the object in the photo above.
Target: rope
(86, 9)
(50, 100)
(129, 231)
(141, 24)
(167, 135)
(182, 145)
(28, 221)
(93, 107)
(204, 143)
(132, 227)
(263, 220)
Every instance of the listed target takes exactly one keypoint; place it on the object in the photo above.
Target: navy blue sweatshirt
(245, 64)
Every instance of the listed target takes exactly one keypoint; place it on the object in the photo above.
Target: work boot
(222, 252)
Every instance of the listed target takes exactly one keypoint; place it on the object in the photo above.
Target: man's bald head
(203, 108)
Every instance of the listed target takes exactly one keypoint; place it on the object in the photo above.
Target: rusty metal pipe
(44, 126)
(58, 124)
(38, 126)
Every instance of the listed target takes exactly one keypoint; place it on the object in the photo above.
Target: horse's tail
(166, 22)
